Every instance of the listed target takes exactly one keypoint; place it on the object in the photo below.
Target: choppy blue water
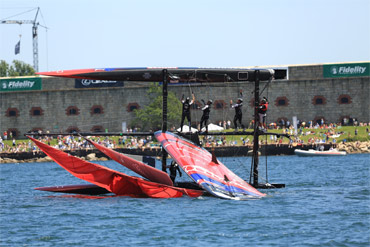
(326, 202)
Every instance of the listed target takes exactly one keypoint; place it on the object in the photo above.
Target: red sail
(113, 181)
(205, 169)
(140, 168)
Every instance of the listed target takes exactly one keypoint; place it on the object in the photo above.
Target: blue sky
(200, 33)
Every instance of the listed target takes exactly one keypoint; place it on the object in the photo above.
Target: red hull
(113, 181)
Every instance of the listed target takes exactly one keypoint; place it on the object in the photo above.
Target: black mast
(164, 116)
(255, 159)
(256, 134)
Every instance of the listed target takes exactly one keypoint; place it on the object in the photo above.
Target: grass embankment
(347, 134)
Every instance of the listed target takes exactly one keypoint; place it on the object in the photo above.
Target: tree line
(17, 68)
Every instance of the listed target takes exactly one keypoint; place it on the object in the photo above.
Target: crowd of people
(326, 133)
(71, 142)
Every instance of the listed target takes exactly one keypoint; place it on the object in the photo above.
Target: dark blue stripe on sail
(227, 188)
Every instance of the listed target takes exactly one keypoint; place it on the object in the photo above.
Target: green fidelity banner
(20, 84)
(346, 70)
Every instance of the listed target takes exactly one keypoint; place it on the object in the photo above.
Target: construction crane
(35, 25)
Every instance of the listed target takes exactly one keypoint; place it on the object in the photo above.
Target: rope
(267, 96)
(191, 95)
(19, 14)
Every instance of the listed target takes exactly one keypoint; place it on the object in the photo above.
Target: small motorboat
(311, 152)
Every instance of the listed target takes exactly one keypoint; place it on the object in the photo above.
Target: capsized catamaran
(113, 181)
(209, 173)
(201, 166)
(204, 168)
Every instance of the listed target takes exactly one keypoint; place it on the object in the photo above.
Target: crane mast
(35, 25)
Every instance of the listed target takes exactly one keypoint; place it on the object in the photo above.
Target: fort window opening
(281, 101)
(72, 110)
(219, 104)
(132, 106)
(13, 133)
(12, 112)
(73, 130)
(36, 111)
(319, 100)
(98, 128)
(344, 99)
(97, 109)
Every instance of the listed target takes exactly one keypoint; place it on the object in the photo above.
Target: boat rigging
(228, 186)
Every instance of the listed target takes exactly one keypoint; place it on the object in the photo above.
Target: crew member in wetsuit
(238, 112)
(174, 167)
(262, 109)
(186, 104)
(206, 110)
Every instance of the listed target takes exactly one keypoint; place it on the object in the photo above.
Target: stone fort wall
(306, 94)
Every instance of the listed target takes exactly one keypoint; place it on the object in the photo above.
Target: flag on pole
(18, 48)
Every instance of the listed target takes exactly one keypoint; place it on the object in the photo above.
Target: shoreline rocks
(44, 159)
(354, 147)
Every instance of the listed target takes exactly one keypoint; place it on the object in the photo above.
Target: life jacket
(206, 111)
(238, 109)
(186, 107)
(263, 108)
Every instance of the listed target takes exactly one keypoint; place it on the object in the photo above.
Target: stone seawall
(94, 154)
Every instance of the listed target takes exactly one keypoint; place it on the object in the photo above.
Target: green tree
(4, 68)
(18, 68)
(150, 116)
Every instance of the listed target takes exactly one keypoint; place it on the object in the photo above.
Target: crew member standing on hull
(206, 110)
(262, 109)
(238, 111)
(186, 104)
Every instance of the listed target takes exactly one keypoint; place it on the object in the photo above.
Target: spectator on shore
(5, 135)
